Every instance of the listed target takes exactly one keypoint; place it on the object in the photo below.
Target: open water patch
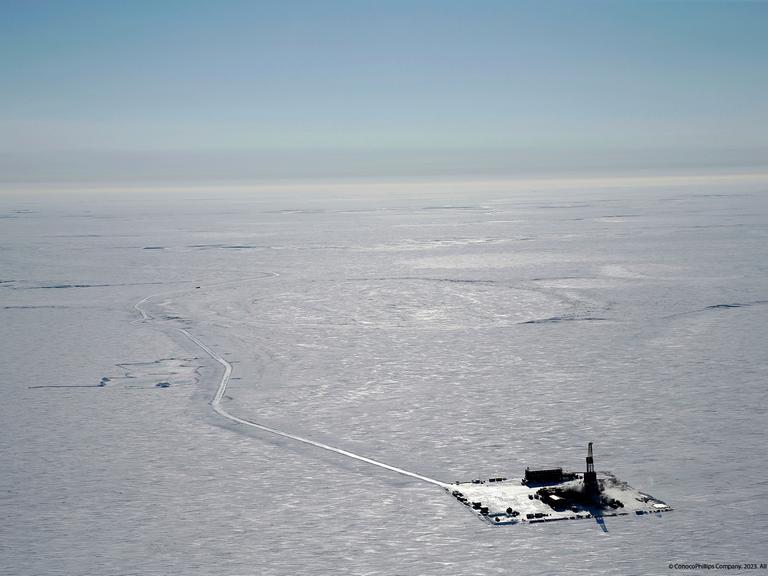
(556, 319)
(84, 285)
(32, 307)
(734, 305)
(722, 306)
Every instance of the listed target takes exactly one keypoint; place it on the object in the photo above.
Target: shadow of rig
(551, 494)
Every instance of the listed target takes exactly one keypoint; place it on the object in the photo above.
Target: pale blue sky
(102, 90)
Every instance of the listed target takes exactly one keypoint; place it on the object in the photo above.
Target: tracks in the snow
(216, 402)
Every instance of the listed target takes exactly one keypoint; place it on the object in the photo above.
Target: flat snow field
(450, 335)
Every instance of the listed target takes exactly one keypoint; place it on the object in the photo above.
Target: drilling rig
(591, 487)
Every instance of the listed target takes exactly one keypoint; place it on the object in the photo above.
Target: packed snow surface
(448, 335)
(500, 501)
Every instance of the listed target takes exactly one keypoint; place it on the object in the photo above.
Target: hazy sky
(165, 89)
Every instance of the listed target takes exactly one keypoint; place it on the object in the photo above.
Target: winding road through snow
(216, 402)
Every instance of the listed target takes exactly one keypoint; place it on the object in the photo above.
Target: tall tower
(590, 477)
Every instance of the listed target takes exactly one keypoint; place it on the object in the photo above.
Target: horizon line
(392, 184)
